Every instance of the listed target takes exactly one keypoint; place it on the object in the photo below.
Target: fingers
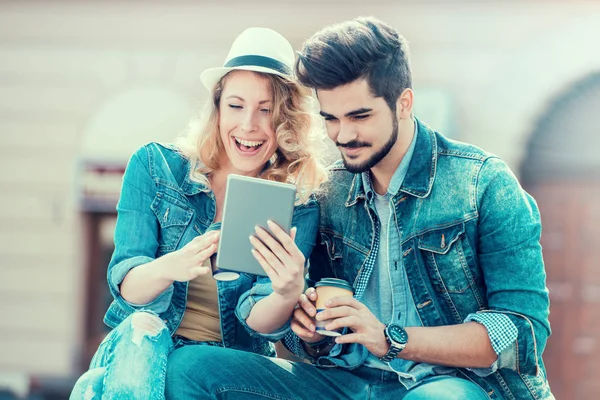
(293, 233)
(208, 236)
(302, 332)
(206, 253)
(271, 272)
(302, 318)
(349, 338)
(302, 324)
(307, 306)
(337, 312)
(199, 243)
(270, 245)
(284, 246)
(288, 242)
(352, 321)
(311, 293)
(266, 254)
(197, 271)
(345, 301)
(279, 234)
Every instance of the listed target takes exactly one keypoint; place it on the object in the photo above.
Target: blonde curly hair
(300, 135)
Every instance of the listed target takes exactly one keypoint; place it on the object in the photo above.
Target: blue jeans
(131, 362)
(201, 372)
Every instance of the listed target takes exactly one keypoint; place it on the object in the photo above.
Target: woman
(169, 212)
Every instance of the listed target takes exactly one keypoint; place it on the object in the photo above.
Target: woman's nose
(248, 122)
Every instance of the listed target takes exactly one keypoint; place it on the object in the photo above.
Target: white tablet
(250, 202)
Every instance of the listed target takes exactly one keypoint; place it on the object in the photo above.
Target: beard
(375, 157)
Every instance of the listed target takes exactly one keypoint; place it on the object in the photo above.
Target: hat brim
(211, 76)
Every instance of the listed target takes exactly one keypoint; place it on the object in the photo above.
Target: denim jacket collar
(191, 187)
(421, 171)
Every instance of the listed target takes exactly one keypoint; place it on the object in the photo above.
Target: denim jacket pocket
(345, 257)
(445, 259)
(174, 217)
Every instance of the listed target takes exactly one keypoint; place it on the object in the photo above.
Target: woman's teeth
(249, 143)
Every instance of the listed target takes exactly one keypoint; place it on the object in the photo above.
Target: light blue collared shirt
(389, 298)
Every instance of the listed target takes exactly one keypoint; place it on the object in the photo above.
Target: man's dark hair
(363, 48)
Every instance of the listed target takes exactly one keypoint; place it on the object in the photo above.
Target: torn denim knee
(145, 324)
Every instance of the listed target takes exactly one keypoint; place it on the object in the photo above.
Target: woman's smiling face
(245, 123)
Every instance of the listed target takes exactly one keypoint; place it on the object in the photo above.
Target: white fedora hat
(255, 49)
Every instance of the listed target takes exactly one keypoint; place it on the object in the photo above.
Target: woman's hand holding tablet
(251, 202)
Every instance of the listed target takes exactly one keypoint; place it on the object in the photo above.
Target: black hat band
(259, 61)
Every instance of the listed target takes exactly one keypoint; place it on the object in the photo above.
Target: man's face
(362, 126)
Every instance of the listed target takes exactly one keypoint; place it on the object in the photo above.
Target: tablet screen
(250, 202)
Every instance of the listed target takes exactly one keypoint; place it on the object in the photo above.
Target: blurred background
(84, 83)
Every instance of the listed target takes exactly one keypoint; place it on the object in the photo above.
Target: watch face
(398, 334)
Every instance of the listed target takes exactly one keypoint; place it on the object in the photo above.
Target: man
(437, 237)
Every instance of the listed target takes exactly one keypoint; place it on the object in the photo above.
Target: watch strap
(394, 349)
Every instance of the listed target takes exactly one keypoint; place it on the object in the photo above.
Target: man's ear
(404, 104)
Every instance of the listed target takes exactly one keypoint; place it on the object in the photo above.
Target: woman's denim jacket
(470, 244)
(161, 210)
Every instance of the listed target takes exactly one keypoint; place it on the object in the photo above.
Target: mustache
(353, 144)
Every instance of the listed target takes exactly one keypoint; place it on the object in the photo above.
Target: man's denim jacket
(470, 244)
(161, 210)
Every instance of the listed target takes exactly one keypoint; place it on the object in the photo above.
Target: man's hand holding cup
(304, 323)
(303, 320)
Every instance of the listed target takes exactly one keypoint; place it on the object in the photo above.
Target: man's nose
(346, 133)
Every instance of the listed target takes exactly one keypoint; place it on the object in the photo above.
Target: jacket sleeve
(306, 219)
(510, 256)
(136, 232)
(318, 267)
(503, 337)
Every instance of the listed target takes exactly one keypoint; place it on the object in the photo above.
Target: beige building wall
(100, 78)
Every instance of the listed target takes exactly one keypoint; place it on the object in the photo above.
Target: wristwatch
(397, 337)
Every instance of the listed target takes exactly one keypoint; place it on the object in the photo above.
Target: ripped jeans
(131, 362)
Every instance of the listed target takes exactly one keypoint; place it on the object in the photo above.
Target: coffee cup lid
(340, 283)
(221, 275)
